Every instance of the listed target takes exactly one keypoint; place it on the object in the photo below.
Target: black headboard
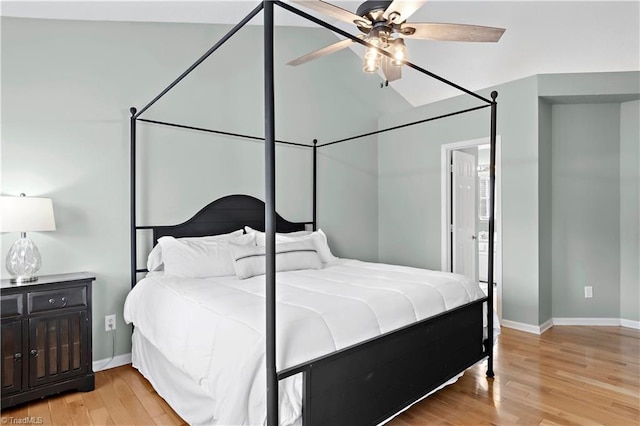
(226, 214)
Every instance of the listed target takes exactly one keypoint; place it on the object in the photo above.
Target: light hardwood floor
(567, 376)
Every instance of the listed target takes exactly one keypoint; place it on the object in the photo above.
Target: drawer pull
(34, 353)
(17, 357)
(63, 300)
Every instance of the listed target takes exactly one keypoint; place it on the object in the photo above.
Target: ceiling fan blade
(390, 72)
(334, 12)
(451, 32)
(403, 8)
(321, 52)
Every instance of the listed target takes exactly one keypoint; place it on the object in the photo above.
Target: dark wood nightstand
(46, 337)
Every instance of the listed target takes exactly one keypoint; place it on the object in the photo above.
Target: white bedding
(213, 329)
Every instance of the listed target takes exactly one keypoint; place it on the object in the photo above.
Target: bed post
(270, 216)
(132, 194)
(315, 184)
(492, 192)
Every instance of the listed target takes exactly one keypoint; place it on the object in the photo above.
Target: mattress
(212, 330)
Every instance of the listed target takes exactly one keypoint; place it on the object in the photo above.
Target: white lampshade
(26, 214)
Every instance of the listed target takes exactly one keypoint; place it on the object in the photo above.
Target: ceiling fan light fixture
(399, 52)
(372, 55)
(371, 60)
(370, 66)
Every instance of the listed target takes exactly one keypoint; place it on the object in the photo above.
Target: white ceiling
(541, 36)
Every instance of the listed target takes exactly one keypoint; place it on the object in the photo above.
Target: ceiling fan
(384, 25)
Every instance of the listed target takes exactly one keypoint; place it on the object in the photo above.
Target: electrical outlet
(588, 292)
(110, 322)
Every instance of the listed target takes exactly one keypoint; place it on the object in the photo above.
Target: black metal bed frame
(368, 382)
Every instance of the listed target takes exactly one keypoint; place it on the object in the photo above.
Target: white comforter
(213, 329)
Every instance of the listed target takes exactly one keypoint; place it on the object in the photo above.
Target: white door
(464, 215)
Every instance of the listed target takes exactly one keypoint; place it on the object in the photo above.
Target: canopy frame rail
(220, 132)
(403, 125)
(200, 60)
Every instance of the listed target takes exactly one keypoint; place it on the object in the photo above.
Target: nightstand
(46, 337)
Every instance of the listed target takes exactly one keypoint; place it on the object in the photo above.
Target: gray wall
(66, 90)
(537, 284)
(630, 211)
(409, 182)
(586, 210)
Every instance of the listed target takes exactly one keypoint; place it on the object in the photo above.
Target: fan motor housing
(370, 6)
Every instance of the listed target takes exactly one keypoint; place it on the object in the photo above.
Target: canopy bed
(363, 379)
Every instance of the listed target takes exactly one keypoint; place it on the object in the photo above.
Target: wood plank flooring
(567, 376)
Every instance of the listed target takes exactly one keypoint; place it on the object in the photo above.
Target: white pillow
(250, 260)
(200, 258)
(260, 236)
(154, 260)
(319, 239)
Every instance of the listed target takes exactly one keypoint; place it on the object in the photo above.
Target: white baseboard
(630, 324)
(603, 322)
(105, 364)
(521, 326)
(546, 325)
(599, 322)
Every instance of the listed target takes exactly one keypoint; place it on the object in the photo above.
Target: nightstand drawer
(42, 301)
(11, 306)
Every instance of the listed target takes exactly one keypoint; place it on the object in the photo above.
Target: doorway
(465, 213)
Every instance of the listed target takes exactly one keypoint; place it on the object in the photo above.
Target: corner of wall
(545, 223)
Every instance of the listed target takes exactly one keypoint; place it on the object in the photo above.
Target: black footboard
(369, 382)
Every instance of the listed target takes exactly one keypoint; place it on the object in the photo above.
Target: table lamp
(25, 214)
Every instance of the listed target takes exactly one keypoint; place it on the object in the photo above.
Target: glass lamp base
(23, 260)
(19, 280)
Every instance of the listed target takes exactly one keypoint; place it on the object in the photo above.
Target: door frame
(445, 205)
